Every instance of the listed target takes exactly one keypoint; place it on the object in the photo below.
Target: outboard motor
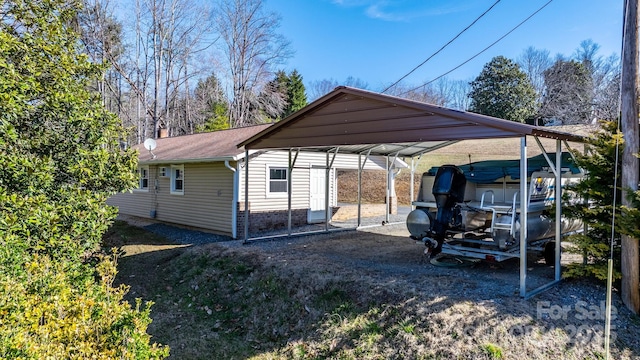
(448, 190)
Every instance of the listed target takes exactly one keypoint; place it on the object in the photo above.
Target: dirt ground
(481, 301)
(387, 252)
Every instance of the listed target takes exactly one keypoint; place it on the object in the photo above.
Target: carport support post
(326, 188)
(289, 196)
(414, 165)
(558, 198)
(361, 164)
(359, 188)
(413, 172)
(246, 196)
(292, 163)
(387, 197)
(326, 194)
(524, 204)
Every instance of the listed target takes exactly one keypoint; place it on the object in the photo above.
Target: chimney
(163, 133)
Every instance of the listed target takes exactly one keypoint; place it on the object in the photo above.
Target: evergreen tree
(292, 92)
(212, 110)
(595, 209)
(59, 161)
(502, 90)
(281, 82)
(296, 95)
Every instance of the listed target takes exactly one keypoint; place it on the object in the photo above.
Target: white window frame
(269, 180)
(143, 170)
(173, 189)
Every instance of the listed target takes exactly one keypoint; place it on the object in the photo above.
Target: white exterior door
(317, 178)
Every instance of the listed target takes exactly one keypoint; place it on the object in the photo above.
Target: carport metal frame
(427, 128)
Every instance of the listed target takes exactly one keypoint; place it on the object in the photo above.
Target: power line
(442, 48)
(483, 50)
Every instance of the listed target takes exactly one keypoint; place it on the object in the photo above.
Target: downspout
(234, 201)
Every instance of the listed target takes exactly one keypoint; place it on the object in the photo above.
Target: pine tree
(212, 109)
(296, 95)
(595, 209)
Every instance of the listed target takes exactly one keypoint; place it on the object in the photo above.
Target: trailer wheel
(549, 253)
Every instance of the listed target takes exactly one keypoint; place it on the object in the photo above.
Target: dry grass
(356, 295)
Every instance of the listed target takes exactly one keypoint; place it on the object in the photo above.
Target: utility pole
(630, 262)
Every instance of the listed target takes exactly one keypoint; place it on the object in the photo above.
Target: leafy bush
(58, 310)
(59, 161)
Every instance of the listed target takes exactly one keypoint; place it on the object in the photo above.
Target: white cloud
(402, 10)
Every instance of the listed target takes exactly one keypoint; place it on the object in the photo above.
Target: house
(198, 180)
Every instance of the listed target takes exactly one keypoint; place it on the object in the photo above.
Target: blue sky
(378, 41)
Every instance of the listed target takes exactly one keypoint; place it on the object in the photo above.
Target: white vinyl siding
(208, 189)
(259, 198)
(136, 202)
(206, 203)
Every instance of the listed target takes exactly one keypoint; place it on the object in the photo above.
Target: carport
(355, 121)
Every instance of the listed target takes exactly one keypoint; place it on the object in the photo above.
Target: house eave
(189, 161)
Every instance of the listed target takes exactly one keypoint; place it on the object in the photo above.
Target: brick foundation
(271, 220)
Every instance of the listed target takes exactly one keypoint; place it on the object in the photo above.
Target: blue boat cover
(488, 171)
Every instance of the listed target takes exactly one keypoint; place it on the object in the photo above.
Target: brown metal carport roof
(351, 120)
(358, 121)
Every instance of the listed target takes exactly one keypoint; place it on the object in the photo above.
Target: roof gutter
(235, 157)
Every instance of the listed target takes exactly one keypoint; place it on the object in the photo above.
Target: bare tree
(427, 94)
(569, 93)
(455, 93)
(534, 62)
(320, 88)
(607, 97)
(101, 36)
(253, 49)
(152, 74)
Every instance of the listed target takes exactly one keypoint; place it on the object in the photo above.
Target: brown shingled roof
(211, 146)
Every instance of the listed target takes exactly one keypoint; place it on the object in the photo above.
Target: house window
(177, 179)
(143, 178)
(278, 180)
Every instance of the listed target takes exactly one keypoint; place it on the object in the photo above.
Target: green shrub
(59, 311)
(60, 159)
